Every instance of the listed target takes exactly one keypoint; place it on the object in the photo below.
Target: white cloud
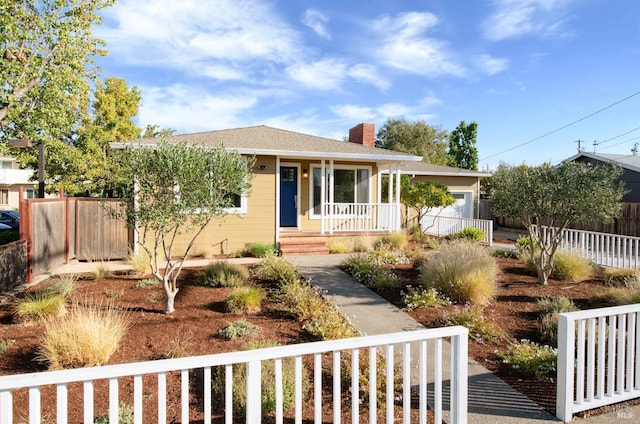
(491, 65)
(316, 20)
(515, 18)
(403, 45)
(331, 73)
(191, 109)
(188, 33)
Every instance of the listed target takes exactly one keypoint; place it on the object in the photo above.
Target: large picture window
(350, 185)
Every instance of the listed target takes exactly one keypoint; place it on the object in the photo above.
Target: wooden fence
(627, 224)
(58, 230)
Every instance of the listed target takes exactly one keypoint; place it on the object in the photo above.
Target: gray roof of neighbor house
(630, 162)
(263, 140)
(423, 168)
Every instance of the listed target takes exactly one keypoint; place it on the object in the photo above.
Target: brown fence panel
(99, 236)
(48, 234)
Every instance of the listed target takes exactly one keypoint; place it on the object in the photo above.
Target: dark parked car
(9, 220)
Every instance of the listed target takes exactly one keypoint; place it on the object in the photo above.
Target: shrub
(614, 296)
(363, 270)
(125, 415)
(470, 233)
(531, 357)
(4, 346)
(148, 282)
(261, 250)
(101, 271)
(417, 297)
(474, 320)
(63, 286)
(570, 266)
(431, 243)
(502, 252)
(556, 305)
(139, 261)
(395, 240)
(385, 254)
(9, 236)
(223, 274)
(462, 271)
(363, 374)
(237, 330)
(548, 329)
(620, 277)
(246, 299)
(415, 233)
(36, 307)
(328, 324)
(275, 269)
(523, 246)
(268, 399)
(85, 337)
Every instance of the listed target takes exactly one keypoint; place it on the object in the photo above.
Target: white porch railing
(605, 249)
(442, 226)
(360, 217)
(598, 358)
(152, 389)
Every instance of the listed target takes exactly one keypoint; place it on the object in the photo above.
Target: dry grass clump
(615, 296)
(37, 307)
(85, 337)
(463, 271)
(395, 240)
(139, 262)
(245, 299)
(571, 266)
(224, 274)
(621, 277)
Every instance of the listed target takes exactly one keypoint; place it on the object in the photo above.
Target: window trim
(353, 167)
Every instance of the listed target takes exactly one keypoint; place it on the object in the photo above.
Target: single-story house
(305, 186)
(629, 163)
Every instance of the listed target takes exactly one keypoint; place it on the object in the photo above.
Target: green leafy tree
(463, 152)
(555, 197)
(110, 120)
(46, 62)
(154, 131)
(46, 67)
(416, 138)
(424, 196)
(179, 190)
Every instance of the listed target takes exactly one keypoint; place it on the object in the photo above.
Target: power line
(618, 136)
(561, 128)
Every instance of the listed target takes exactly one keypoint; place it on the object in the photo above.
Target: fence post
(254, 392)
(566, 355)
(459, 378)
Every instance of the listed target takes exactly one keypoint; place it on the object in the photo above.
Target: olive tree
(424, 196)
(178, 190)
(555, 197)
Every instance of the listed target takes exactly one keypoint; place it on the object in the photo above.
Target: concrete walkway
(490, 399)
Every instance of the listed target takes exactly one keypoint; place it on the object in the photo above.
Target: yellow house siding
(233, 233)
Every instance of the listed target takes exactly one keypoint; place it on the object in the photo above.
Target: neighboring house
(306, 186)
(629, 163)
(12, 178)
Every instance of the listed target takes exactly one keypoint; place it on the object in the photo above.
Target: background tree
(110, 120)
(424, 196)
(463, 152)
(555, 197)
(154, 131)
(416, 138)
(46, 69)
(180, 189)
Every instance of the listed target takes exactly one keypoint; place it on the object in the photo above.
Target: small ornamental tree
(178, 190)
(423, 196)
(555, 197)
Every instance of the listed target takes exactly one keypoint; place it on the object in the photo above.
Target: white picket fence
(598, 358)
(194, 376)
(442, 226)
(605, 249)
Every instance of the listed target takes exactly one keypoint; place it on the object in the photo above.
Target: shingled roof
(263, 140)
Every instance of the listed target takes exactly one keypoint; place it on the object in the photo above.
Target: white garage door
(462, 208)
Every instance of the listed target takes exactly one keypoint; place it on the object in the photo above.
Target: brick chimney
(364, 134)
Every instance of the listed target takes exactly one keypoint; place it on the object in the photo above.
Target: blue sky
(520, 68)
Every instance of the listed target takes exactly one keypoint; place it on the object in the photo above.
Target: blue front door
(288, 196)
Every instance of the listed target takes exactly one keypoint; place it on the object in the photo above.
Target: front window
(350, 185)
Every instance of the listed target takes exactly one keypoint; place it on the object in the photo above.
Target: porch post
(323, 195)
(277, 172)
(389, 213)
(331, 207)
(397, 214)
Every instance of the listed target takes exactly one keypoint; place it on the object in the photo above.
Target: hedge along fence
(13, 265)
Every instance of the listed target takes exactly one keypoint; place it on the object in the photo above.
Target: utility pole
(595, 143)
(579, 144)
